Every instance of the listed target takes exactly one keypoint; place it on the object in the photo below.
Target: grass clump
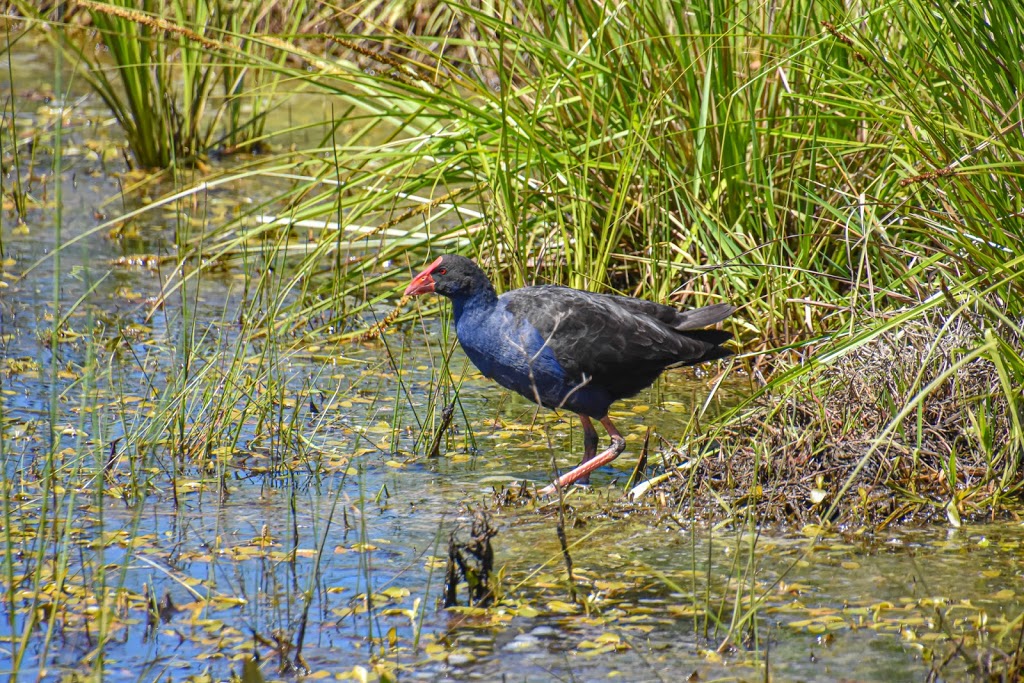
(913, 425)
(182, 78)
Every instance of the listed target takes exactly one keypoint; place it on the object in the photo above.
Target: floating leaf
(562, 607)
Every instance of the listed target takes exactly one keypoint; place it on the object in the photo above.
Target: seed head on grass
(378, 328)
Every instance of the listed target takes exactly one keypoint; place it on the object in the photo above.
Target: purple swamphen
(566, 348)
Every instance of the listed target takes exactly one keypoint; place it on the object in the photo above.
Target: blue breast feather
(513, 354)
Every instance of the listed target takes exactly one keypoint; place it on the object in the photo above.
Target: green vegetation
(170, 75)
(849, 174)
(817, 167)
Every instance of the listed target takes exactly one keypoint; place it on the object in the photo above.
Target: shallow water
(355, 522)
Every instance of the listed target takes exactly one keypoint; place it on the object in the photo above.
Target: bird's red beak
(423, 283)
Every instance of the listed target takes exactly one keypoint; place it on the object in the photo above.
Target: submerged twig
(446, 420)
(472, 561)
(564, 543)
(560, 530)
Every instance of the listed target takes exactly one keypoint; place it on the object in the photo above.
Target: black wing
(619, 342)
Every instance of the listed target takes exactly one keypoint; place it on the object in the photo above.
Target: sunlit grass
(844, 173)
(169, 74)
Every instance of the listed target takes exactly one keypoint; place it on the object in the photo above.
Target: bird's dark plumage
(622, 344)
(566, 348)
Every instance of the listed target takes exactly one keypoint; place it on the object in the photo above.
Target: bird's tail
(713, 340)
(699, 318)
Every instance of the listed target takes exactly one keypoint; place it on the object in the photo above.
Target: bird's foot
(583, 470)
(553, 487)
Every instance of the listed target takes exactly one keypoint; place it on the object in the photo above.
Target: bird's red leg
(589, 445)
(589, 465)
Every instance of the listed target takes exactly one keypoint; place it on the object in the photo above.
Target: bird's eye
(441, 271)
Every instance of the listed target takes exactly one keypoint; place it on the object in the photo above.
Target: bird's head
(452, 276)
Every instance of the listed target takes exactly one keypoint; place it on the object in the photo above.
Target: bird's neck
(483, 299)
